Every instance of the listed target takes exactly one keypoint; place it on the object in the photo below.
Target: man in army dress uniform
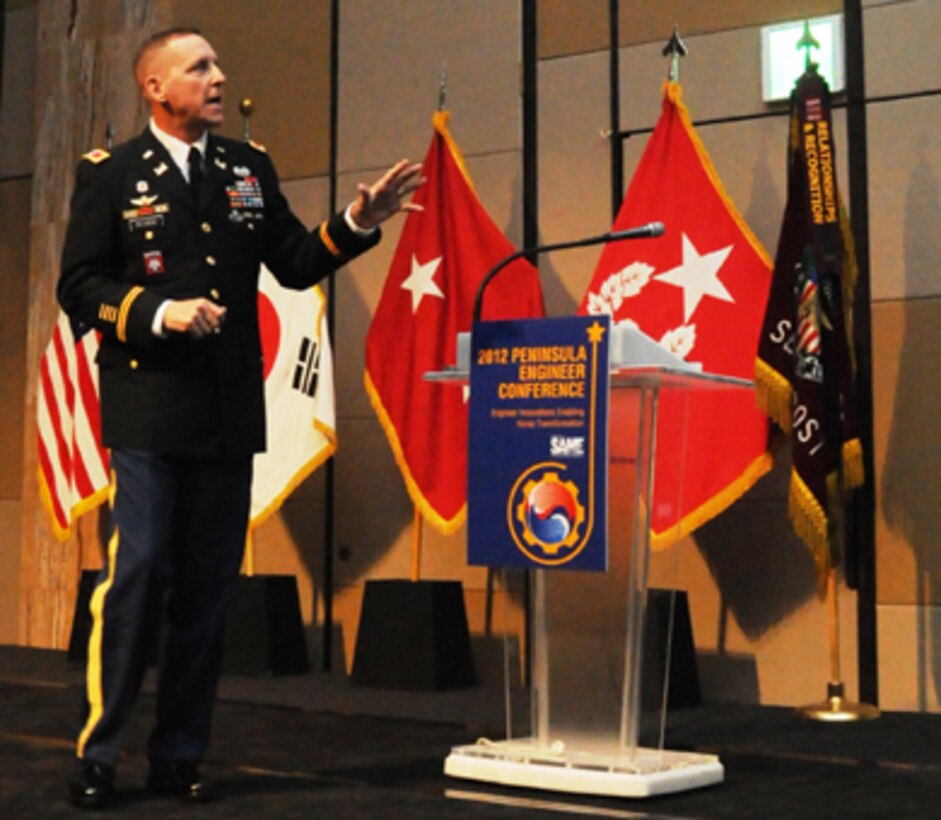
(162, 256)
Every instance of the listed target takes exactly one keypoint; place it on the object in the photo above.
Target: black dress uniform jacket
(139, 235)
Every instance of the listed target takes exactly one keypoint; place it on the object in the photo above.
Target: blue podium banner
(538, 455)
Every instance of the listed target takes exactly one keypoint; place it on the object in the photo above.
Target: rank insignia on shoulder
(258, 146)
(97, 155)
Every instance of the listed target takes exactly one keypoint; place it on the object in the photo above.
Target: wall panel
(11, 513)
(907, 385)
(567, 28)
(14, 287)
(905, 197)
(574, 173)
(895, 61)
(16, 109)
(277, 53)
(909, 661)
(390, 66)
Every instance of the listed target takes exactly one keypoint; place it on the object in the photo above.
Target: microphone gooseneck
(648, 231)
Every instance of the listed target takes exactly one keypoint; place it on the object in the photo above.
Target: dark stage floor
(314, 747)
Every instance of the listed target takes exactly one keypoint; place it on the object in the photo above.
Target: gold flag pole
(416, 545)
(417, 533)
(247, 107)
(836, 708)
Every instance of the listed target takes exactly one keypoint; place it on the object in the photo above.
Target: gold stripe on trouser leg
(96, 699)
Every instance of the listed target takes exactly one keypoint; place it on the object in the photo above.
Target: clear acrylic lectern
(587, 714)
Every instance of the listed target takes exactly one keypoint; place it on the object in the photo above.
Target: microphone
(648, 231)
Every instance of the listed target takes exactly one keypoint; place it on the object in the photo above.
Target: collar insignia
(96, 156)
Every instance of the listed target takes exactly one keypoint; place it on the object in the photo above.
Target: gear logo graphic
(546, 516)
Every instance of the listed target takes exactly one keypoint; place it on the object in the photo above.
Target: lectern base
(651, 772)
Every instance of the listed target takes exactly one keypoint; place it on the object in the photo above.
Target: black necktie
(196, 171)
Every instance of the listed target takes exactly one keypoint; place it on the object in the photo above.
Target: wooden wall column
(83, 82)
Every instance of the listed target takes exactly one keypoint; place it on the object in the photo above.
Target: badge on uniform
(146, 214)
(143, 201)
(153, 263)
(246, 201)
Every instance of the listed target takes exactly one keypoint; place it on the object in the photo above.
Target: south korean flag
(299, 397)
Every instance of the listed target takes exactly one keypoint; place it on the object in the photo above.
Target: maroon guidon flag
(804, 369)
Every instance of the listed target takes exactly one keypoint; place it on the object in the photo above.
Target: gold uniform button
(206, 227)
(149, 235)
(214, 294)
(133, 364)
(211, 261)
(250, 226)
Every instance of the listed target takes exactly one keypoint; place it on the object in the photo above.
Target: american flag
(73, 466)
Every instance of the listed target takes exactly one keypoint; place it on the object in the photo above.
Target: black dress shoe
(91, 786)
(178, 780)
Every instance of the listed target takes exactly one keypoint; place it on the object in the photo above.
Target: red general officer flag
(700, 290)
(443, 253)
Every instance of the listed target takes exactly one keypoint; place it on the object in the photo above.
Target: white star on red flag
(421, 281)
(698, 275)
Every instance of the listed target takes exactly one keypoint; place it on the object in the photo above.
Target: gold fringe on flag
(811, 525)
(773, 394)
(446, 526)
